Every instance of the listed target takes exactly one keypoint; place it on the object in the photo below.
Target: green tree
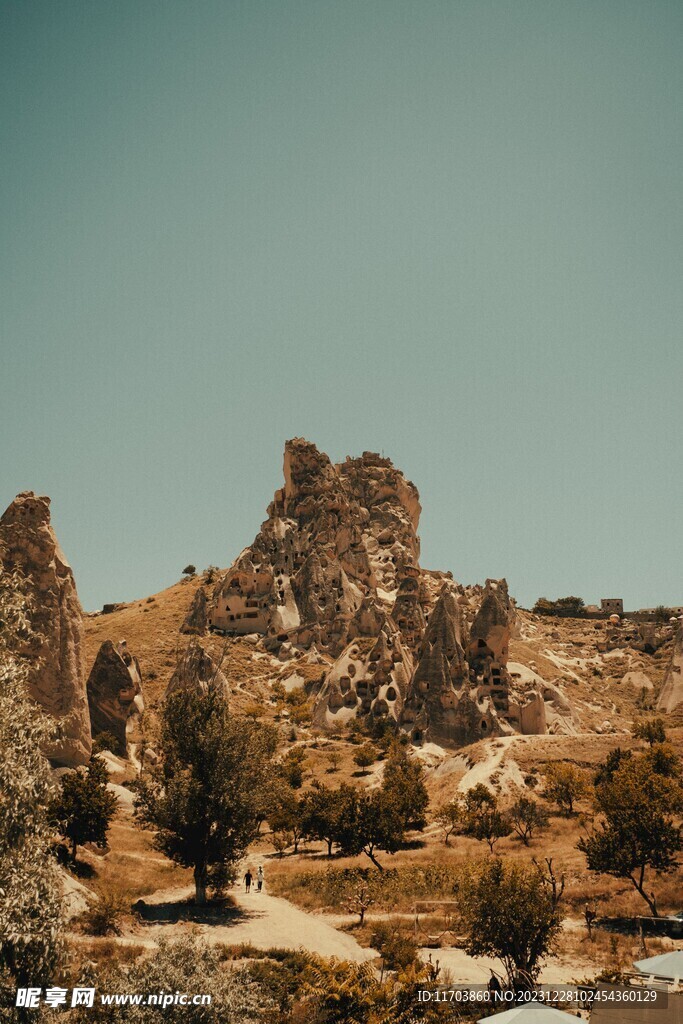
(365, 756)
(292, 767)
(322, 811)
(512, 911)
(369, 822)
(482, 819)
(287, 813)
(84, 808)
(31, 906)
(564, 785)
(451, 818)
(403, 783)
(204, 797)
(651, 730)
(527, 817)
(637, 831)
(397, 948)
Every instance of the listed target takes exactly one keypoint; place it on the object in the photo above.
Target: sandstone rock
(328, 559)
(671, 698)
(57, 681)
(196, 670)
(197, 618)
(115, 695)
(368, 680)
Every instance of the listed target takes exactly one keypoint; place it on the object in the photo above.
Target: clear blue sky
(450, 231)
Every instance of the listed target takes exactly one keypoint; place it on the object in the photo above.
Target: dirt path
(262, 920)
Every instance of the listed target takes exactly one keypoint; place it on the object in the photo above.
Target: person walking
(259, 879)
(247, 880)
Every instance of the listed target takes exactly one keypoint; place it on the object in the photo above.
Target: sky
(447, 231)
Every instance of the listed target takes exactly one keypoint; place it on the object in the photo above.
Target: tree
(369, 822)
(397, 949)
(84, 808)
(322, 810)
(403, 782)
(365, 756)
(512, 911)
(204, 797)
(360, 901)
(450, 817)
(287, 814)
(31, 909)
(565, 784)
(526, 817)
(637, 831)
(281, 841)
(483, 820)
(651, 730)
(292, 767)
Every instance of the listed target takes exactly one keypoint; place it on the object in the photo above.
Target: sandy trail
(264, 921)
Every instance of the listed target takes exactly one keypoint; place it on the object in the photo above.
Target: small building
(612, 605)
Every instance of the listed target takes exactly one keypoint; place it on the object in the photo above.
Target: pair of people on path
(248, 878)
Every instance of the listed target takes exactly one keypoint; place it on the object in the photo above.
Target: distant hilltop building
(612, 605)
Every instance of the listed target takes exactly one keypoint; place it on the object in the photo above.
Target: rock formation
(369, 679)
(461, 690)
(337, 541)
(197, 617)
(115, 695)
(196, 670)
(57, 681)
(670, 699)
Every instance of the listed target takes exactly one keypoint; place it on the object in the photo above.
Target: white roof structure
(530, 1013)
(666, 965)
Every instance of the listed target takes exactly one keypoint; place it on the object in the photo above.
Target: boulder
(196, 670)
(57, 680)
(197, 618)
(115, 695)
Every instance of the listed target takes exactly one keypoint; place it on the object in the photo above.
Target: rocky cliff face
(115, 695)
(671, 697)
(335, 537)
(197, 671)
(57, 681)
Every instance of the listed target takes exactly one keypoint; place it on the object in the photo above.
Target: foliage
(189, 570)
(281, 842)
(103, 916)
(390, 889)
(403, 783)
(527, 817)
(511, 910)
(397, 949)
(564, 785)
(185, 966)
(205, 795)
(651, 730)
(31, 904)
(286, 813)
(365, 756)
(451, 818)
(562, 606)
(637, 831)
(292, 767)
(322, 814)
(482, 819)
(106, 741)
(84, 808)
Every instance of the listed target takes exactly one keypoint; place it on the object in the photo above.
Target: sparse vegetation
(84, 808)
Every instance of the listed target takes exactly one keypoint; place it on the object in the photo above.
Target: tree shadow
(221, 912)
